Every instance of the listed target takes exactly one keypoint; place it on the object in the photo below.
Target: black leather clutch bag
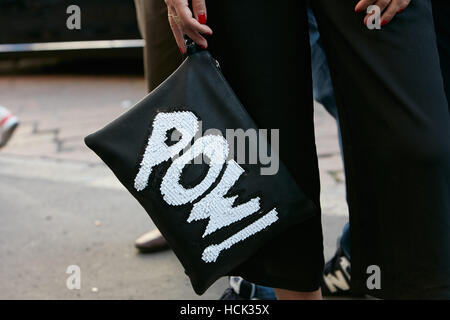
(215, 213)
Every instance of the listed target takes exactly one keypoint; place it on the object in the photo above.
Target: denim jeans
(324, 94)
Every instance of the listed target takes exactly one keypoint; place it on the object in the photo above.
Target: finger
(189, 25)
(383, 4)
(194, 29)
(178, 34)
(390, 12)
(199, 7)
(403, 5)
(188, 22)
(363, 5)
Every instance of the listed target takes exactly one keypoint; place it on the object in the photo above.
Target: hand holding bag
(214, 214)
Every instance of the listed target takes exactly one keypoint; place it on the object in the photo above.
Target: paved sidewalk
(62, 206)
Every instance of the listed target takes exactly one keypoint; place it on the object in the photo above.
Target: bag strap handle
(191, 46)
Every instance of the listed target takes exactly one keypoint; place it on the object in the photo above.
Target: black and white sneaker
(337, 275)
(335, 281)
(239, 289)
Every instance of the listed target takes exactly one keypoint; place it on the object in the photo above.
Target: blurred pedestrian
(161, 54)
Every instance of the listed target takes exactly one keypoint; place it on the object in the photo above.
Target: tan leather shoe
(152, 241)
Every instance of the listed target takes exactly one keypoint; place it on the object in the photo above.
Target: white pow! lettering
(214, 206)
(211, 253)
(216, 149)
(219, 209)
(157, 150)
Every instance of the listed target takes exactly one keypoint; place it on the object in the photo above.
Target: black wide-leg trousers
(395, 124)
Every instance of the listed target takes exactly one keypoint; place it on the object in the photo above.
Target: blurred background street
(61, 206)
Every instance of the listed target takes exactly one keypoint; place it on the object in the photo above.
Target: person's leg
(161, 53)
(274, 84)
(396, 127)
(441, 13)
(323, 91)
(338, 279)
(161, 58)
(337, 273)
(295, 295)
